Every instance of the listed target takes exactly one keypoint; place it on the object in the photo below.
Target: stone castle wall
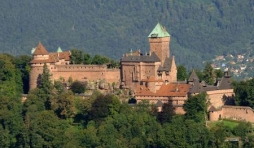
(240, 113)
(76, 72)
(217, 98)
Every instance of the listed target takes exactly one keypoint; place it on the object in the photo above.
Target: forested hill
(199, 29)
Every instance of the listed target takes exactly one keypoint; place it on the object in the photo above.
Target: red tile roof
(61, 55)
(40, 50)
(173, 90)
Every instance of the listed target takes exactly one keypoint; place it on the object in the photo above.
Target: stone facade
(59, 66)
(240, 113)
(137, 68)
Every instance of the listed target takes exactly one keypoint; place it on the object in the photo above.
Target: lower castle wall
(240, 113)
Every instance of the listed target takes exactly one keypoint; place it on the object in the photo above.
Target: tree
(208, 74)
(218, 73)
(45, 82)
(63, 105)
(103, 106)
(76, 56)
(22, 64)
(99, 60)
(59, 86)
(244, 92)
(181, 73)
(242, 129)
(46, 130)
(196, 108)
(78, 87)
(168, 110)
(87, 58)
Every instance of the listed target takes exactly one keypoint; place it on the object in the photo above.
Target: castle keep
(154, 68)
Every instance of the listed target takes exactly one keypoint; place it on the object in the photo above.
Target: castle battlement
(78, 68)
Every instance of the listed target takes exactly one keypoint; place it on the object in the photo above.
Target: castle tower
(40, 56)
(159, 40)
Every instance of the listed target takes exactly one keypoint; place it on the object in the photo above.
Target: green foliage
(218, 73)
(181, 73)
(242, 129)
(196, 108)
(87, 58)
(76, 56)
(168, 110)
(244, 92)
(208, 74)
(63, 105)
(22, 64)
(46, 130)
(78, 87)
(99, 60)
(59, 86)
(10, 77)
(45, 81)
(103, 106)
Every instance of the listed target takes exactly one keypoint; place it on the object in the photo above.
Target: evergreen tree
(208, 74)
(76, 56)
(45, 83)
(181, 73)
(78, 87)
(196, 108)
(87, 58)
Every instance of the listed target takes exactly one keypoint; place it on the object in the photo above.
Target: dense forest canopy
(199, 29)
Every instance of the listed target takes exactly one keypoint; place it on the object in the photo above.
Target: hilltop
(199, 29)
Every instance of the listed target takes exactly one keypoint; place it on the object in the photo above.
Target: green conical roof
(159, 31)
(32, 51)
(59, 49)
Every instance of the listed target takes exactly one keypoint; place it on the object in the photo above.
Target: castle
(151, 77)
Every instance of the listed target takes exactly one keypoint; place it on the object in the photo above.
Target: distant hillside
(199, 29)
